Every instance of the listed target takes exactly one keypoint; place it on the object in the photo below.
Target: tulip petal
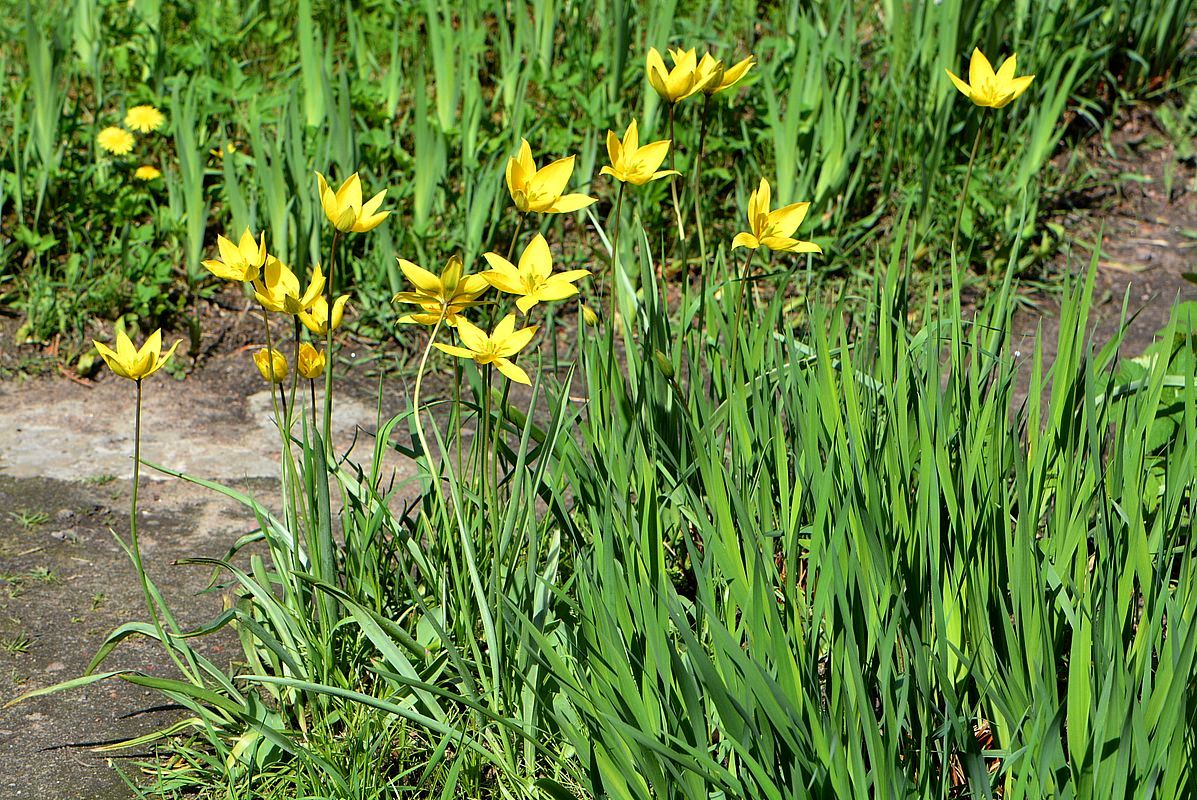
(553, 178)
(536, 259)
(651, 156)
(631, 138)
(786, 220)
(452, 349)
(526, 302)
(570, 202)
(614, 148)
(556, 289)
(963, 87)
(1005, 72)
(745, 240)
(471, 335)
(980, 71)
(512, 371)
(420, 277)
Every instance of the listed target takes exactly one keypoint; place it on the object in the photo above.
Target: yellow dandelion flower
(117, 141)
(144, 119)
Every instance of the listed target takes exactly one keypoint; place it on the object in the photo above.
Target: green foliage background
(849, 108)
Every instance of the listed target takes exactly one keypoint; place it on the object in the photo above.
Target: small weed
(97, 601)
(16, 644)
(100, 480)
(29, 519)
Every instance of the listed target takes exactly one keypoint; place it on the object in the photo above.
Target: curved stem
(677, 206)
(615, 251)
(735, 333)
(519, 226)
(702, 143)
(416, 394)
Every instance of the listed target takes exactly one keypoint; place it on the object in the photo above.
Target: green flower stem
(615, 251)
(702, 143)
(515, 237)
(312, 389)
(328, 347)
(735, 334)
(677, 206)
(289, 407)
(964, 193)
(135, 551)
(416, 394)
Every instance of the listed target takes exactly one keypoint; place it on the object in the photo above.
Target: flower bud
(310, 362)
(272, 364)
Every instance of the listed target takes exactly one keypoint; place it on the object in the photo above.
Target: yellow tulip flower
(271, 364)
(144, 119)
(117, 141)
(774, 229)
(344, 207)
(540, 190)
(241, 261)
(497, 348)
(317, 319)
(439, 298)
(714, 78)
(277, 288)
(633, 164)
(132, 363)
(534, 280)
(675, 85)
(988, 88)
(310, 362)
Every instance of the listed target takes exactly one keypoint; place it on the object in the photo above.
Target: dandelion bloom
(132, 363)
(117, 141)
(147, 173)
(497, 348)
(774, 229)
(988, 88)
(144, 119)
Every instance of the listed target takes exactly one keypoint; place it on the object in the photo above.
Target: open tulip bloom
(241, 261)
(675, 85)
(497, 348)
(533, 280)
(317, 318)
(633, 164)
(541, 190)
(440, 298)
(344, 207)
(277, 288)
(774, 229)
(714, 78)
(988, 88)
(129, 362)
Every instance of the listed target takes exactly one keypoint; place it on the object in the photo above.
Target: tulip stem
(416, 394)
(964, 193)
(615, 250)
(702, 246)
(135, 549)
(294, 379)
(312, 389)
(519, 226)
(328, 347)
(735, 334)
(677, 206)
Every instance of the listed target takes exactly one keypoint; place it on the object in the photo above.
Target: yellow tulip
(317, 319)
(497, 348)
(714, 78)
(277, 288)
(344, 207)
(774, 229)
(241, 261)
(588, 315)
(675, 85)
(540, 190)
(144, 119)
(988, 88)
(534, 280)
(132, 363)
(633, 164)
(441, 297)
(310, 361)
(271, 364)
